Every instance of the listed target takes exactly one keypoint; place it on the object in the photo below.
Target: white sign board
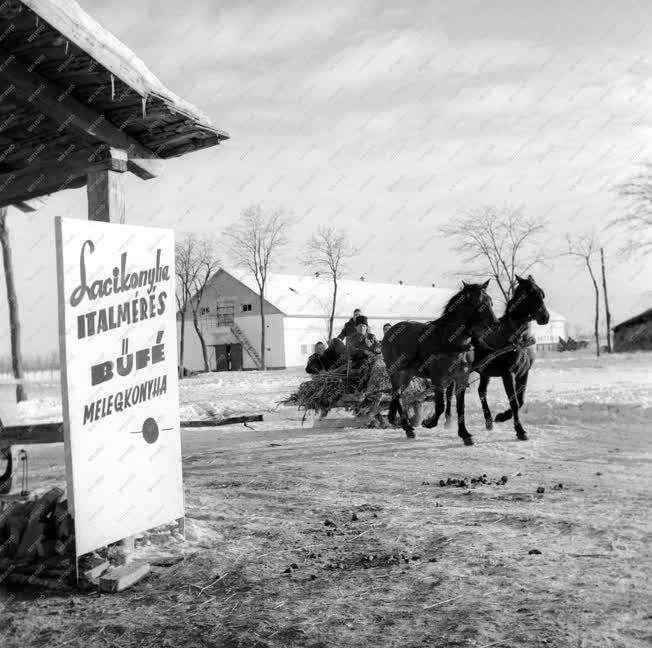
(117, 333)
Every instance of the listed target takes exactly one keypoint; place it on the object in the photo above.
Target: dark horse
(439, 351)
(502, 352)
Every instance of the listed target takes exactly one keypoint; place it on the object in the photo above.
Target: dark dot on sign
(150, 430)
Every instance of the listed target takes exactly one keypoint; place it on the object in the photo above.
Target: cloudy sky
(387, 120)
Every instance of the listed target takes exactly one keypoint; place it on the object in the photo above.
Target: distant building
(296, 317)
(634, 334)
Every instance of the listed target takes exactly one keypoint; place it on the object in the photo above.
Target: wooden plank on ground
(37, 433)
(122, 577)
(53, 432)
(340, 423)
(225, 421)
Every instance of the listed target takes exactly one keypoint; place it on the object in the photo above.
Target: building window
(304, 349)
(246, 308)
(204, 310)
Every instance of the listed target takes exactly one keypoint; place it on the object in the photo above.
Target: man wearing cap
(361, 344)
(349, 327)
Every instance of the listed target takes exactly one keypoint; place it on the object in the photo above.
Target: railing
(247, 345)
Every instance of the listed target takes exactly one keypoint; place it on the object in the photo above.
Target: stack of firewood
(36, 537)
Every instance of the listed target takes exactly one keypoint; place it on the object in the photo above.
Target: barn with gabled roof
(297, 310)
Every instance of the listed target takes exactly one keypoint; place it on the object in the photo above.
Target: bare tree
(498, 243)
(637, 221)
(14, 319)
(204, 262)
(186, 270)
(606, 301)
(327, 253)
(585, 248)
(254, 242)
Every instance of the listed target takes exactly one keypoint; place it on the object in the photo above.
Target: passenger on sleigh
(362, 346)
(324, 358)
(315, 361)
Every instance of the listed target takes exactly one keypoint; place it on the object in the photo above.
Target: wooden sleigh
(370, 408)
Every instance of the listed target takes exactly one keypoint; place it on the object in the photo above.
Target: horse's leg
(510, 390)
(432, 421)
(462, 432)
(399, 381)
(449, 401)
(394, 403)
(482, 391)
(521, 386)
(415, 419)
(402, 410)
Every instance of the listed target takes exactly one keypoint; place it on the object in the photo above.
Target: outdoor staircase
(247, 345)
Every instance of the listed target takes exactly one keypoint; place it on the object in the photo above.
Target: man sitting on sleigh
(362, 345)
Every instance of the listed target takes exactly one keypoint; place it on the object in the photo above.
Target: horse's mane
(511, 303)
(452, 301)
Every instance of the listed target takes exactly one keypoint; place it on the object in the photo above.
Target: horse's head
(527, 302)
(473, 307)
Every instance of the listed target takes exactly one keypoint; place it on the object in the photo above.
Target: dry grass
(423, 565)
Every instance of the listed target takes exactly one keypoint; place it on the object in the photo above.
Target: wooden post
(606, 301)
(12, 300)
(105, 189)
(106, 202)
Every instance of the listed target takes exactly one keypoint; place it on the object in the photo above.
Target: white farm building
(296, 317)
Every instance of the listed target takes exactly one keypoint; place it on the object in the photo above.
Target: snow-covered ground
(558, 382)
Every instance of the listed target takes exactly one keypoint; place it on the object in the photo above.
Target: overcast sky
(386, 119)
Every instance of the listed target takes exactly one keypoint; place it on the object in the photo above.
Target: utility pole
(606, 301)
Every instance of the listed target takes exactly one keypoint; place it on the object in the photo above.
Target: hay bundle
(323, 390)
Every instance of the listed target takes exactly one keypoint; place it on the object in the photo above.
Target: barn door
(236, 357)
(221, 360)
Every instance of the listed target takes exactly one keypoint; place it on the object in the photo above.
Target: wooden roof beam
(29, 206)
(67, 111)
(32, 182)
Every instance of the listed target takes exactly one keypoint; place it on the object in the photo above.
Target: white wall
(550, 333)
(192, 355)
(302, 333)
(274, 342)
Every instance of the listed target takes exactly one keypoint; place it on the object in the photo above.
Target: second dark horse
(439, 351)
(514, 366)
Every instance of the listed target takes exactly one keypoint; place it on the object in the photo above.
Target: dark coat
(333, 354)
(348, 330)
(315, 364)
(360, 346)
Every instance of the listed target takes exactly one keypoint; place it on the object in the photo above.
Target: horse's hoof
(448, 423)
(502, 417)
(429, 423)
(522, 436)
(489, 424)
(468, 441)
(410, 434)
